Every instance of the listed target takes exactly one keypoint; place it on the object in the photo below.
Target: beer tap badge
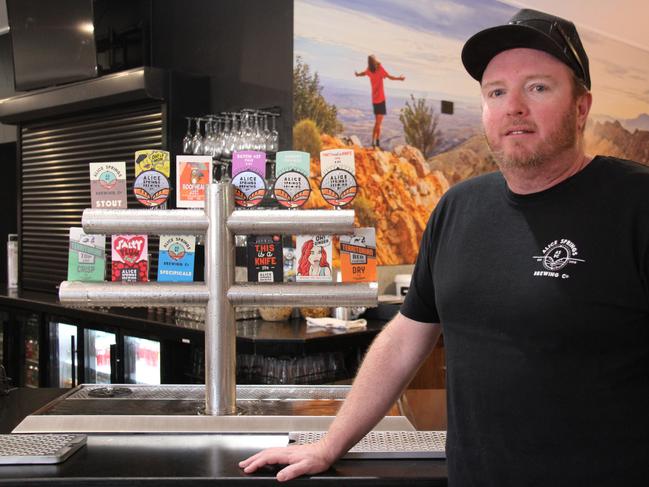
(193, 173)
(249, 177)
(87, 256)
(265, 258)
(108, 184)
(130, 258)
(292, 188)
(314, 254)
(152, 170)
(151, 188)
(338, 185)
(152, 160)
(358, 256)
(176, 258)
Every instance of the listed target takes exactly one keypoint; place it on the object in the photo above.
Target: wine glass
(224, 138)
(266, 135)
(197, 139)
(260, 140)
(235, 134)
(247, 133)
(187, 139)
(274, 137)
(216, 143)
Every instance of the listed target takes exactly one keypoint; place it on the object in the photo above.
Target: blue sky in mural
(423, 39)
(454, 19)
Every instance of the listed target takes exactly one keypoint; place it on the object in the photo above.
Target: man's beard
(563, 138)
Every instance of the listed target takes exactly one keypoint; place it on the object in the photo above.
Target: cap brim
(480, 49)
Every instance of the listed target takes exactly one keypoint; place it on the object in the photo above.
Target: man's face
(529, 112)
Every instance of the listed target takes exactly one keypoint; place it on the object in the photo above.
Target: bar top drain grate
(39, 448)
(386, 444)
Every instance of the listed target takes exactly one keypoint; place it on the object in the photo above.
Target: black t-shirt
(544, 303)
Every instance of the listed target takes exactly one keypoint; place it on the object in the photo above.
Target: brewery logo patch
(249, 189)
(338, 187)
(151, 188)
(555, 257)
(292, 189)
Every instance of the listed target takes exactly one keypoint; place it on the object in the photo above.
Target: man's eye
(496, 93)
(539, 88)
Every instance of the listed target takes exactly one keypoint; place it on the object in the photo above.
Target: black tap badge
(338, 185)
(248, 177)
(151, 188)
(292, 188)
(265, 255)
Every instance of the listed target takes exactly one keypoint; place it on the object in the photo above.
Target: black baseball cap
(531, 29)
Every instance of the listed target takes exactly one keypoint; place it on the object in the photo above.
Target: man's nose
(516, 104)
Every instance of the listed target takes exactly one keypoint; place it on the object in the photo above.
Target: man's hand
(300, 460)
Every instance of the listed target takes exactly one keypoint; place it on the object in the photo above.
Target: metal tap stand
(219, 223)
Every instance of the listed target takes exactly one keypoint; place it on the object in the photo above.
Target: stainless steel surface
(220, 332)
(152, 222)
(180, 408)
(299, 222)
(197, 392)
(190, 424)
(386, 444)
(133, 294)
(38, 449)
(303, 294)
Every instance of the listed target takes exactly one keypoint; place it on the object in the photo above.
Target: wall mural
(421, 151)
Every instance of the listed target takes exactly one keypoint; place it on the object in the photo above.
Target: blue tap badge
(176, 260)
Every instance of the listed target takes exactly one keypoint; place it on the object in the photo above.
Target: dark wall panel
(55, 181)
(245, 46)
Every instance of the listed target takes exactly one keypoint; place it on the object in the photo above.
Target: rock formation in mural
(612, 139)
(399, 189)
(397, 193)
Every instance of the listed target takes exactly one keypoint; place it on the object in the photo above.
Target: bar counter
(184, 459)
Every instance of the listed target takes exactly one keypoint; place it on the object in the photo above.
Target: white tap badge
(338, 185)
(314, 255)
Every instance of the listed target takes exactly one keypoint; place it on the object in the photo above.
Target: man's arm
(391, 362)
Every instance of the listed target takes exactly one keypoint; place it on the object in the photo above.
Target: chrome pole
(133, 294)
(302, 222)
(303, 294)
(151, 222)
(220, 327)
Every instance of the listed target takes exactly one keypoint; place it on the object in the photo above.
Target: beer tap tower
(219, 293)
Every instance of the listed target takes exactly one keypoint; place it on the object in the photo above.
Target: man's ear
(584, 102)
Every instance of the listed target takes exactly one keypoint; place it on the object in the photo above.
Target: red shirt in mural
(376, 79)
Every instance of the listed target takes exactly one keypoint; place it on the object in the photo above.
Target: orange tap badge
(358, 256)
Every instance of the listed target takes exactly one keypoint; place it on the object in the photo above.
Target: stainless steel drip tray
(181, 409)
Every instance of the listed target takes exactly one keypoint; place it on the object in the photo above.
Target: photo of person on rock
(376, 73)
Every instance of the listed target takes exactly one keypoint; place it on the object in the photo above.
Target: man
(539, 275)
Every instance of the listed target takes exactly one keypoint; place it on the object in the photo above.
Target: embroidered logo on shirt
(556, 256)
